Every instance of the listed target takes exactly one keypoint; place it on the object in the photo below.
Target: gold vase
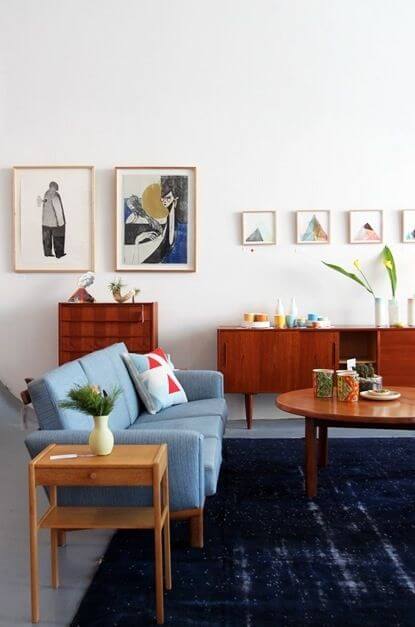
(101, 439)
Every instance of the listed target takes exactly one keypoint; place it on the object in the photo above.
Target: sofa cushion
(154, 380)
(193, 409)
(208, 426)
(47, 392)
(106, 369)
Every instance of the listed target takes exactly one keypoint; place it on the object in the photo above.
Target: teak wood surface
(130, 465)
(260, 361)
(322, 413)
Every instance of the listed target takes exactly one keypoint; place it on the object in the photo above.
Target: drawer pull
(93, 475)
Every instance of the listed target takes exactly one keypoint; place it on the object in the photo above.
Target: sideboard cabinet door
(317, 349)
(396, 358)
(258, 361)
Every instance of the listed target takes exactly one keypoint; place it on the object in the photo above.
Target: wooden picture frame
(156, 218)
(313, 226)
(259, 228)
(408, 226)
(366, 226)
(53, 218)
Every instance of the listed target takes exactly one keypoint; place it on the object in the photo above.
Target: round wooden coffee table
(322, 413)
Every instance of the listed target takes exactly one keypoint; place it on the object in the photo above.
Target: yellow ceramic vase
(101, 439)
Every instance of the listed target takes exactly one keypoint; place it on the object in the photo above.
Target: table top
(303, 403)
(122, 456)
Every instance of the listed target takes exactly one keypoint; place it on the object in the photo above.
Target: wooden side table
(128, 465)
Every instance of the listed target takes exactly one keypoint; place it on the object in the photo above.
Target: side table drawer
(91, 477)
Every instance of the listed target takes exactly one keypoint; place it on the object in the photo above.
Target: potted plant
(90, 400)
(115, 288)
(368, 380)
(389, 263)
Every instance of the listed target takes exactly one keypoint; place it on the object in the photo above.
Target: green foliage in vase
(115, 285)
(389, 263)
(351, 275)
(91, 400)
(365, 371)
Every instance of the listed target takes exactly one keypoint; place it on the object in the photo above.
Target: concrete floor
(79, 559)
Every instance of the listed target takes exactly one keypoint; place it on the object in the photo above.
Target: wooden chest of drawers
(85, 327)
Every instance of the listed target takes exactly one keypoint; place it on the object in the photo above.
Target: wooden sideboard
(255, 361)
(86, 327)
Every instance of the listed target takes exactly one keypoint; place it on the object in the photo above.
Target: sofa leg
(61, 537)
(196, 530)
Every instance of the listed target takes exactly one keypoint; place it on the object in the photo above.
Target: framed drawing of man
(156, 219)
(53, 210)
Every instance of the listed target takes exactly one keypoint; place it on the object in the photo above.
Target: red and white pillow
(154, 380)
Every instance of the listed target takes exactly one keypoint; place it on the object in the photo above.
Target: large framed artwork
(408, 226)
(156, 218)
(366, 226)
(313, 227)
(53, 218)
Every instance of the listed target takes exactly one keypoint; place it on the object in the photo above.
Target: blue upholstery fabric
(193, 409)
(103, 368)
(186, 473)
(52, 388)
(212, 459)
(201, 384)
(208, 426)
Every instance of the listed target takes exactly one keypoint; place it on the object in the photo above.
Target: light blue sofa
(193, 431)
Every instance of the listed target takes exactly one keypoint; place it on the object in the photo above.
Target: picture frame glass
(366, 226)
(313, 227)
(156, 219)
(259, 228)
(408, 226)
(53, 218)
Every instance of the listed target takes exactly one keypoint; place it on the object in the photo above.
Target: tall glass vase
(381, 312)
(394, 312)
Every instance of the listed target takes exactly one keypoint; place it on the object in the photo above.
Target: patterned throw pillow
(154, 380)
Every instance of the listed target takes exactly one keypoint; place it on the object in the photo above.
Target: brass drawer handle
(93, 475)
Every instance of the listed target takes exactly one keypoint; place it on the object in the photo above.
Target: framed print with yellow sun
(156, 219)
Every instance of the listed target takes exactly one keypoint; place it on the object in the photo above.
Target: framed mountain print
(313, 227)
(408, 226)
(156, 219)
(53, 218)
(259, 228)
(366, 226)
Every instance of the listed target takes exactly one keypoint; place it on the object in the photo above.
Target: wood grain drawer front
(93, 477)
(110, 313)
(104, 329)
(396, 358)
(89, 344)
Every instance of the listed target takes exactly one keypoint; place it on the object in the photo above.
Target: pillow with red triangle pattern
(154, 380)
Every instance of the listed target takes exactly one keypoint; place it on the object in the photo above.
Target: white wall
(281, 104)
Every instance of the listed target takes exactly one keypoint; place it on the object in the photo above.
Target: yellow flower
(95, 389)
(388, 264)
(356, 264)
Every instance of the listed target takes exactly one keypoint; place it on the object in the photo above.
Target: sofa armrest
(201, 384)
(186, 470)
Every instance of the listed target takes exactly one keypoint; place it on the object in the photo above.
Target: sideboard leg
(249, 406)
(310, 458)
(322, 446)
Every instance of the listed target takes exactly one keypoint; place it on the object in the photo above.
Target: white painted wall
(281, 104)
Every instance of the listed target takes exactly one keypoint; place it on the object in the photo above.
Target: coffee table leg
(322, 446)
(34, 566)
(158, 548)
(310, 458)
(166, 532)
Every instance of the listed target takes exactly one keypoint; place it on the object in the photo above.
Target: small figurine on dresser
(81, 295)
(115, 288)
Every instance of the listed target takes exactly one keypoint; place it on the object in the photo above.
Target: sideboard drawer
(90, 477)
(96, 313)
(75, 328)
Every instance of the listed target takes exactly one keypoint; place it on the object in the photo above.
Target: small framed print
(259, 228)
(313, 227)
(366, 226)
(156, 219)
(53, 218)
(408, 226)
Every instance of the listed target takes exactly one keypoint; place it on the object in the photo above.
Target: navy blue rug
(272, 557)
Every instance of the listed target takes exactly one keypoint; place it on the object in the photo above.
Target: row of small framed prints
(259, 228)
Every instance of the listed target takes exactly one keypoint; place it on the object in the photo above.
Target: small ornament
(81, 295)
(115, 288)
(294, 308)
(279, 311)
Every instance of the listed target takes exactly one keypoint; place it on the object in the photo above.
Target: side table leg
(166, 533)
(158, 547)
(322, 446)
(54, 541)
(310, 458)
(34, 566)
